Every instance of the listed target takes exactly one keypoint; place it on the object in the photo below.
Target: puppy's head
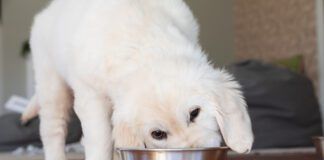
(183, 112)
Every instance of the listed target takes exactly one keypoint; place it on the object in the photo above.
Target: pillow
(294, 63)
(283, 108)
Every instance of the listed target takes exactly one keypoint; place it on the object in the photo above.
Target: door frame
(1, 72)
(320, 50)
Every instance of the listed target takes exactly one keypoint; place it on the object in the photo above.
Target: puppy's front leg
(94, 113)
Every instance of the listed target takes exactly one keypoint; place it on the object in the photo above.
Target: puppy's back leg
(55, 101)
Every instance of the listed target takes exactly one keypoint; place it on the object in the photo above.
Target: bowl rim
(172, 149)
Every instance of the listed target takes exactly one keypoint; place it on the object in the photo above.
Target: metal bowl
(218, 153)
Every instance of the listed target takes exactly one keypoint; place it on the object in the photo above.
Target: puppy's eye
(194, 114)
(159, 135)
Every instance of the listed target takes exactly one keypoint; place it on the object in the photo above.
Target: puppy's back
(83, 29)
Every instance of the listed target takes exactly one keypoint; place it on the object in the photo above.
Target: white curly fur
(130, 67)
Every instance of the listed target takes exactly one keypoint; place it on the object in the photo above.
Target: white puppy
(136, 76)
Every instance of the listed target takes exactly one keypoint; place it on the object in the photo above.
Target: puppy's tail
(31, 111)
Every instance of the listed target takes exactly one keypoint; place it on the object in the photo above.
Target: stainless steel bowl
(218, 153)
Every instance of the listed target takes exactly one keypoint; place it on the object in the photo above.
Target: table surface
(263, 154)
(277, 154)
(6, 156)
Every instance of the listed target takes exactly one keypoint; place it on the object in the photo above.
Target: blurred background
(273, 47)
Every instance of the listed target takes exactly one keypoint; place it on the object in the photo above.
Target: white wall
(217, 29)
(17, 19)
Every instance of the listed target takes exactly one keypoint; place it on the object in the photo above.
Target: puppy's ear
(231, 114)
(125, 135)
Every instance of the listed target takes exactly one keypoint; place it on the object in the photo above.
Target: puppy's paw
(241, 146)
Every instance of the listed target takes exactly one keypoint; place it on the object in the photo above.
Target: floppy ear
(125, 135)
(231, 114)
